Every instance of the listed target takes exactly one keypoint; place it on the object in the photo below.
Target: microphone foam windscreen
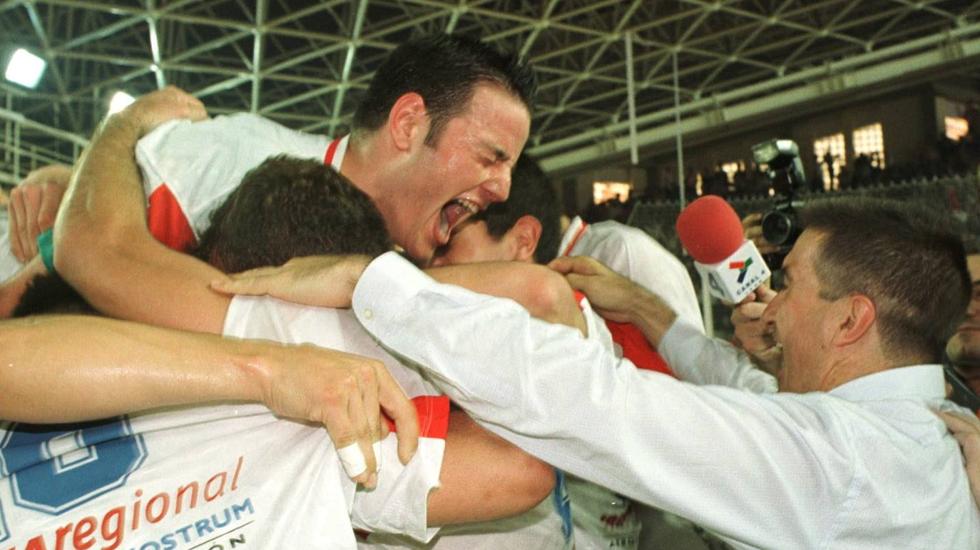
(710, 229)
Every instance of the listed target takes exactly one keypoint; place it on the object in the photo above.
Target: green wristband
(45, 246)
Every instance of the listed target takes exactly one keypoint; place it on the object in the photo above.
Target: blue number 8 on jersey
(54, 468)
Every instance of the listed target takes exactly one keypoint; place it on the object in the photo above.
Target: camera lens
(779, 228)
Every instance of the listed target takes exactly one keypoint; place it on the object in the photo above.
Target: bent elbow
(536, 483)
(554, 300)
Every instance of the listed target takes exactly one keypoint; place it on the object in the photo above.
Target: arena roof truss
(305, 64)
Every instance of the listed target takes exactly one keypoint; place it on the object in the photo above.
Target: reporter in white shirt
(847, 455)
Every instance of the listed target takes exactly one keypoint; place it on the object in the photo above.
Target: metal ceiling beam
(536, 31)
(261, 6)
(59, 82)
(588, 67)
(736, 56)
(768, 86)
(113, 28)
(765, 87)
(355, 36)
(151, 22)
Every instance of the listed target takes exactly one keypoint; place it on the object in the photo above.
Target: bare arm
(484, 477)
(102, 244)
(92, 367)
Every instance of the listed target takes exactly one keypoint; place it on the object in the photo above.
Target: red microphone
(711, 232)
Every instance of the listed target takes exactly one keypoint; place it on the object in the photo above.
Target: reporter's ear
(859, 315)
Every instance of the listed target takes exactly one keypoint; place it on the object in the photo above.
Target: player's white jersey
(190, 167)
(218, 475)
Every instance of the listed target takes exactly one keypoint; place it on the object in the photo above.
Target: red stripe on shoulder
(433, 415)
(331, 151)
(167, 221)
(637, 349)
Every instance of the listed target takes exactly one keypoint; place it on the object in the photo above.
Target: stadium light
(120, 100)
(25, 68)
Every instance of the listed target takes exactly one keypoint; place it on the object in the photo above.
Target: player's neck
(364, 163)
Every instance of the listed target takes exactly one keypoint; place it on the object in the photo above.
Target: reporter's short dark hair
(289, 207)
(443, 69)
(905, 258)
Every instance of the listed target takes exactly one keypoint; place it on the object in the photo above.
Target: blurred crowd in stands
(942, 159)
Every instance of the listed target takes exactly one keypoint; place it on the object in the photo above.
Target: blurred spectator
(963, 348)
(716, 183)
(862, 172)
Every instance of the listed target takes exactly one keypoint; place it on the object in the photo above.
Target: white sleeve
(727, 459)
(700, 359)
(399, 503)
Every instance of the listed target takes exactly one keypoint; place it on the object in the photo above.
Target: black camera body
(780, 225)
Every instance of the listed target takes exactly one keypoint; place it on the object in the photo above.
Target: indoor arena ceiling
(305, 64)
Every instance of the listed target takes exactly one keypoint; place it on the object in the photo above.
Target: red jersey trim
(331, 151)
(433, 414)
(575, 239)
(167, 221)
(637, 349)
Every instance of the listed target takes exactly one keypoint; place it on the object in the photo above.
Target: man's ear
(858, 316)
(407, 121)
(525, 235)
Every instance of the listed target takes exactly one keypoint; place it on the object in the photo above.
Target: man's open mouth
(452, 214)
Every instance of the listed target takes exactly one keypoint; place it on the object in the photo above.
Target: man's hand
(617, 298)
(326, 281)
(966, 430)
(610, 294)
(155, 108)
(344, 392)
(752, 333)
(32, 207)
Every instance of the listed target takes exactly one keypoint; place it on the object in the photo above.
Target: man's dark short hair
(531, 194)
(905, 258)
(48, 294)
(443, 69)
(289, 207)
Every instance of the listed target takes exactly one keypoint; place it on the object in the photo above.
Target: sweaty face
(803, 325)
(467, 169)
(471, 242)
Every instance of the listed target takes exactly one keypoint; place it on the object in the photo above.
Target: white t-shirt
(190, 167)
(234, 472)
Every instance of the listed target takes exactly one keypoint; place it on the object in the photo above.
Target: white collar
(916, 381)
(570, 234)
